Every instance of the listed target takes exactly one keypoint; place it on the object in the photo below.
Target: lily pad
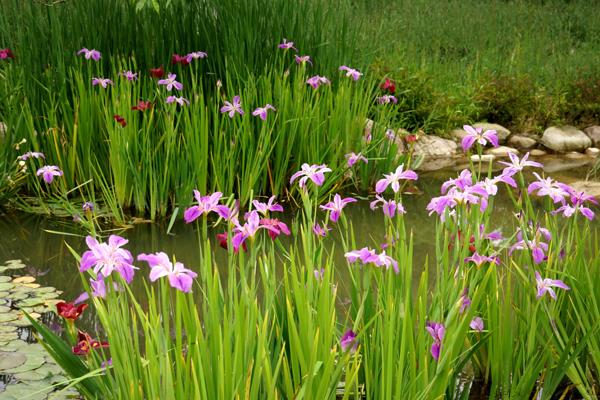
(32, 362)
(8, 317)
(4, 309)
(31, 302)
(9, 360)
(32, 285)
(46, 289)
(19, 296)
(4, 279)
(8, 336)
(24, 279)
(35, 375)
(7, 329)
(6, 286)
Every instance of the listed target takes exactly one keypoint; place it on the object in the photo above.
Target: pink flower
(436, 330)
(353, 158)
(387, 99)
(394, 179)
(320, 230)
(389, 207)
(545, 286)
(350, 72)
(275, 227)
(286, 45)
(316, 81)
(194, 55)
(548, 187)
(129, 75)
(315, 173)
(336, 206)
(348, 341)
(302, 59)
(476, 324)
(48, 172)
(248, 230)
(234, 107)
(171, 82)
(108, 257)
(515, 165)
(90, 54)
(264, 208)
(479, 136)
(180, 277)
(206, 204)
(31, 154)
(262, 111)
(104, 82)
(182, 101)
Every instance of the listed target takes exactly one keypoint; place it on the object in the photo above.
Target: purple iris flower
(320, 230)
(206, 204)
(490, 186)
(479, 260)
(476, 324)
(383, 260)
(248, 230)
(286, 45)
(464, 180)
(180, 277)
(316, 81)
(194, 55)
(516, 165)
(171, 82)
(350, 72)
(31, 154)
(315, 173)
(262, 111)
(318, 273)
(436, 330)
(548, 187)
(536, 245)
(274, 227)
(104, 82)
(387, 99)
(302, 59)
(479, 136)
(98, 287)
(394, 179)
(348, 341)
(129, 75)
(568, 210)
(48, 172)
(578, 200)
(465, 301)
(90, 54)
(365, 255)
(88, 206)
(234, 107)
(264, 208)
(389, 207)
(182, 101)
(545, 286)
(353, 158)
(336, 206)
(108, 257)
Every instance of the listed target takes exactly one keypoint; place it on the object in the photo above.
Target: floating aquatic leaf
(35, 375)
(31, 302)
(9, 360)
(5, 279)
(32, 285)
(7, 328)
(6, 286)
(32, 362)
(19, 295)
(8, 317)
(4, 309)
(24, 279)
(8, 336)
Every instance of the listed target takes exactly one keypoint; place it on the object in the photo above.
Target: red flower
(411, 138)
(157, 72)
(85, 343)
(69, 311)
(120, 120)
(6, 53)
(389, 85)
(142, 106)
(177, 59)
(222, 238)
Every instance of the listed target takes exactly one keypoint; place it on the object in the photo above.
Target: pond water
(35, 239)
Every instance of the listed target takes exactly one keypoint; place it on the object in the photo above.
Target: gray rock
(557, 164)
(522, 142)
(565, 138)
(573, 155)
(483, 157)
(593, 133)
(537, 153)
(501, 151)
(591, 188)
(434, 164)
(592, 151)
(434, 147)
